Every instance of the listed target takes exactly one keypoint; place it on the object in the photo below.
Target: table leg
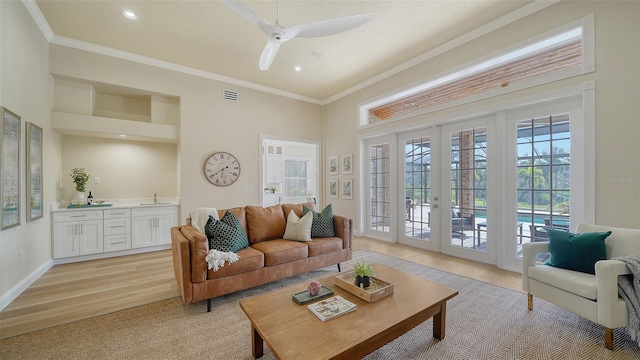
(439, 322)
(256, 343)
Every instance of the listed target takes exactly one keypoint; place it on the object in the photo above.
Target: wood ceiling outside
(555, 60)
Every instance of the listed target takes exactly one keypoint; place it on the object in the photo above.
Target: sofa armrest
(180, 250)
(529, 253)
(342, 227)
(199, 248)
(607, 272)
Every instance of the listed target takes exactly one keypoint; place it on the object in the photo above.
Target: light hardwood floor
(82, 290)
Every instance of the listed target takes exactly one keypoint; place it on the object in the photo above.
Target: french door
(481, 188)
(445, 194)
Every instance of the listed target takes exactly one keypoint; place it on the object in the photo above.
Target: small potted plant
(363, 272)
(80, 178)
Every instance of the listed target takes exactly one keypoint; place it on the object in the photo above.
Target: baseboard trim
(105, 255)
(20, 287)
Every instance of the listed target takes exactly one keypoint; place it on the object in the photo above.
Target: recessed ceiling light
(122, 136)
(129, 14)
(297, 68)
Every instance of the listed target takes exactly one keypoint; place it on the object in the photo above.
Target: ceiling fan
(277, 35)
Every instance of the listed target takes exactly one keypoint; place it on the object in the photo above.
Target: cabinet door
(142, 231)
(65, 240)
(163, 229)
(274, 169)
(90, 237)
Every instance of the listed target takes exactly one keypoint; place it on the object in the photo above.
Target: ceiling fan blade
(248, 14)
(330, 27)
(268, 54)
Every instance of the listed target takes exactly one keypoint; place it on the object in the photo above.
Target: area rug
(483, 322)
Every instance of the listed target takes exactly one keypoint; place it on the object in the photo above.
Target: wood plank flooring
(76, 291)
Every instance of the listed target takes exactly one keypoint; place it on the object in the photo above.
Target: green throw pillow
(322, 225)
(578, 252)
(226, 234)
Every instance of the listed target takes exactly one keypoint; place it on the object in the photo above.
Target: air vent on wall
(230, 95)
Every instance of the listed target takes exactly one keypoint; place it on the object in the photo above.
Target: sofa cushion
(265, 223)
(322, 226)
(281, 251)
(297, 208)
(239, 213)
(575, 282)
(322, 246)
(250, 259)
(226, 234)
(298, 229)
(578, 252)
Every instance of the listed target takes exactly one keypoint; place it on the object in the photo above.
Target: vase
(81, 199)
(364, 280)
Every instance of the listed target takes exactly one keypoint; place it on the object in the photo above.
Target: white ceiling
(208, 36)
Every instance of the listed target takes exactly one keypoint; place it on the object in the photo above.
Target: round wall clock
(222, 169)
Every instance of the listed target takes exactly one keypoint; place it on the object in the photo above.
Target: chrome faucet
(155, 198)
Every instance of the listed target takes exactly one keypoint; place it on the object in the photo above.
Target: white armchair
(594, 297)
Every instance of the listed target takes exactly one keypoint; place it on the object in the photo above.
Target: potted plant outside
(363, 272)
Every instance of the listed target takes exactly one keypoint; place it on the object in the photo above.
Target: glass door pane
(379, 187)
(543, 177)
(469, 189)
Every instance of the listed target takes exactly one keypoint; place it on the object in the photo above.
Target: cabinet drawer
(77, 215)
(117, 242)
(117, 213)
(117, 226)
(154, 211)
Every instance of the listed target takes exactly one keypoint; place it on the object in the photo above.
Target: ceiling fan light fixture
(129, 14)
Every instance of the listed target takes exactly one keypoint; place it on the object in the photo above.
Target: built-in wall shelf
(97, 126)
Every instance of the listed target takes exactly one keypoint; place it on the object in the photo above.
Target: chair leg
(339, 268)
(529, 301)
(608, 338)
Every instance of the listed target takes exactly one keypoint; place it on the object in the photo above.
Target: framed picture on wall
(34, 172)
(333, 189)
(333, 165)
(347, 164)
(347, 189)
(10, 170)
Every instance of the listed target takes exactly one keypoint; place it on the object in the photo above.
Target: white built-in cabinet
(117, 229)
(77, 233)
(80, 232)
(152, 226)
(274, 164)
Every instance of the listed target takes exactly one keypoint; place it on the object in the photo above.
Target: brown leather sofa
(268, 257)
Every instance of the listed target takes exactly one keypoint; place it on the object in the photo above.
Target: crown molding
(518, 14)
(37, 16)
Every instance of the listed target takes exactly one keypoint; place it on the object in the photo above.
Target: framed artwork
(34, 172)
(333, 189)
(347, 189)
(333, 165)
(347, 163)
(10, 169)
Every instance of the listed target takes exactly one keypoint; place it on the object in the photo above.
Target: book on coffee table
(332, 307)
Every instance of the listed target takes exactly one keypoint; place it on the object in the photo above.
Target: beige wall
(25, 89)
(207, 123)
(127, 169)
(617, 40)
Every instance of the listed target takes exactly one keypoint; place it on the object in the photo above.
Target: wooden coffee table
(291, 331)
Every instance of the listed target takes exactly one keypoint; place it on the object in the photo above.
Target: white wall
(617, 41)
(207, 123)
(26, 89)
(127, 169)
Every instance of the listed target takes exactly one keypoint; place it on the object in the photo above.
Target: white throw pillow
(298, 229)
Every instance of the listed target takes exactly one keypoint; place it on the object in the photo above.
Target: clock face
(222, 169)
